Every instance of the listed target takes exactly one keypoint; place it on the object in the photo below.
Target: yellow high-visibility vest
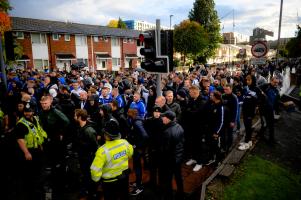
(111, 160)
(35, 136)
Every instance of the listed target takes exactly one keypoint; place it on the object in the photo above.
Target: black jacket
(123, 122)
(215, 117)
(138, 135)
(54, 122)
(192, 116)
(172, 144)
(230, 103)
(175, 107)
(251, 99)
(86, 144)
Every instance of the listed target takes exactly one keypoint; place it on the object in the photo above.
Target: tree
(294, 45)
(190, 39)
(117, 24)
(121, 24)
(113, 23)
(204, 13)
(4, 26)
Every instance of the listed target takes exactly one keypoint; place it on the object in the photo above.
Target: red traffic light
(141, 37)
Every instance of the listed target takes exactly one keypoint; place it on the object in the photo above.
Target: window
(80, 40)
(39, 64)
(115, 42)
(101, 63)
(67, 37)
(95, 38)
(115, 62)
(125, 40)
(37, 38)
(55, 36)
(105, 39)
(130, 40)
(83, 60)
(20, 35)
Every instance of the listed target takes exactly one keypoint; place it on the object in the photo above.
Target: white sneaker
(190, 162)
(241, 143)
(197, 167)
(250, 143)
(245, 146)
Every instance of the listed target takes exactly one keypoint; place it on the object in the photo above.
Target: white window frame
(115, 42)
(40, 35)
(53, 36)
(117, 62)
(95, 39)
(130, 40)
(67, 37)
(20, 35)
(82, 42)
(44, 63)
(125, 40)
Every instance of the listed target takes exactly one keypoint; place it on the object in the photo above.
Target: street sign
(258, 61)
(259, 49)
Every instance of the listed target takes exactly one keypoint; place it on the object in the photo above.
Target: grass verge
(261, 179)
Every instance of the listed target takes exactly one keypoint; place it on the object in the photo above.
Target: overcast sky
(248, 14)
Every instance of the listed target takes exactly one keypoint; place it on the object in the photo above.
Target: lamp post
(170, 16)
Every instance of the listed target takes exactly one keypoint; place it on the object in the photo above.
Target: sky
(248, 14)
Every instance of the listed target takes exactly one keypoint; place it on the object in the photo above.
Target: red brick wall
(27, 49)
(60, 46)
(100, 46)
(128, 48)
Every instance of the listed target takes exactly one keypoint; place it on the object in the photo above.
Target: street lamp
(170, 16)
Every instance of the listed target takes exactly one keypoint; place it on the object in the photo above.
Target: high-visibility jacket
(111, 160)
(36, 134)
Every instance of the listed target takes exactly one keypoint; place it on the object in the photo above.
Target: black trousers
(117, 190)
(248, 127)
(29, 185)
(269, 118)
(166, 173)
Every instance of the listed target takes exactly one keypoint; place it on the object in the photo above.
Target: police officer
(30, 138)
(111, 163)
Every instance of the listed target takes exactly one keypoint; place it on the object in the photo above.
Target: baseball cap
(169, 114)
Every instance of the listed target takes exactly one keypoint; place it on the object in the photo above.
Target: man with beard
(30, 137)
(86, 146)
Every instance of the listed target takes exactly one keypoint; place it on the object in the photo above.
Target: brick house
(58, 45)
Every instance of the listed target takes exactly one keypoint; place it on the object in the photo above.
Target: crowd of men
(107, 118)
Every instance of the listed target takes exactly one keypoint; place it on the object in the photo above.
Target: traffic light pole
(2, 66)
(158, 52)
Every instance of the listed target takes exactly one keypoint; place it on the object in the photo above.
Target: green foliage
(121, 24)
(190, 38)
(5, 6)
(294, 45)
(260, 179)
(203, 12)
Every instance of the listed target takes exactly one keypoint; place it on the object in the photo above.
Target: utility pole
(170, 16)
(279, 32)
(2, 66)
(158, 52)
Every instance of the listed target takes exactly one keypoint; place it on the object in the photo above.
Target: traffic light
(162, 63)
(148, 38)
(167, 47)
(10, 44)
